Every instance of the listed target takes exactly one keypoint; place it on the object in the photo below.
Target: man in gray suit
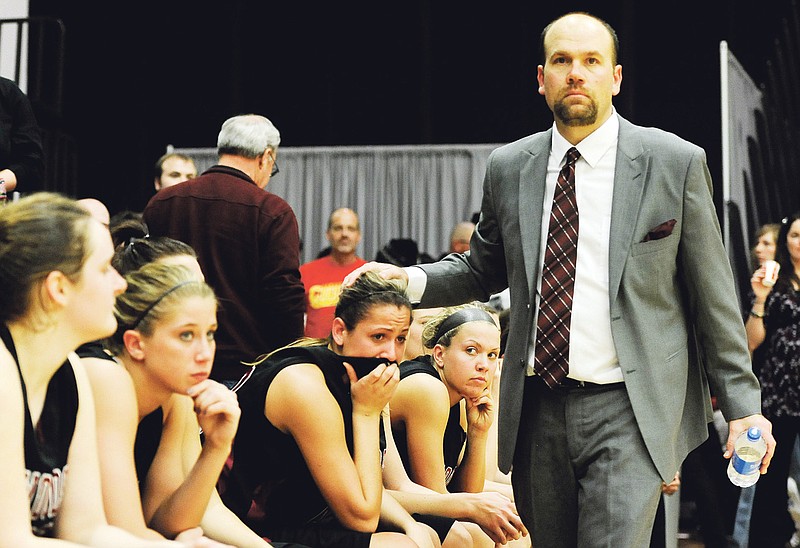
(654, 318)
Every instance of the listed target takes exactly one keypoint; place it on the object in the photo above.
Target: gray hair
(247, 135)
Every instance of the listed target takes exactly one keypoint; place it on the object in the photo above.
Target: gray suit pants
(582, 475)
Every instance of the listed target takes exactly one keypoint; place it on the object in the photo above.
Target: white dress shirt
(592, 355)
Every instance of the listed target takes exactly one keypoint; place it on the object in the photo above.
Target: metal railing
(45, 59)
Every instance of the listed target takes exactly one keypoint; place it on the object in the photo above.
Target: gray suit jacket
(675, 319)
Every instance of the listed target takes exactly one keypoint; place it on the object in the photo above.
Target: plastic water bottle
(749, 449)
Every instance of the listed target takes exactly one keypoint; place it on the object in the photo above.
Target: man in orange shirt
(322, 278)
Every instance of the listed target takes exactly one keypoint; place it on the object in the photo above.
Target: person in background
(459, 238)
(247, 242)
(322, 277)
(774, 322)
(125, 225)
(402, 252)
(21, 154)
(766, 238)
(97, 210)
(139, 251)
(173, 168)
(645, 277)
(414, 346)
(59, 290)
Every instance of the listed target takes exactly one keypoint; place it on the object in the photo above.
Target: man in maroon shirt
(247, 243)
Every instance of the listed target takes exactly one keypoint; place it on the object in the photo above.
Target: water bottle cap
(753, 433)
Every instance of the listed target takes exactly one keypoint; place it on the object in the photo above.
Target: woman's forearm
(754, 326)
(222, 525)
(185, 507)
(471, 472)
(367, 458)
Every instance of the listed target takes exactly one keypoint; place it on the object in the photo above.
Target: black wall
(357, 73)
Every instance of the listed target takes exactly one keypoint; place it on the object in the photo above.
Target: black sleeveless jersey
(454, 435)
(148, 438)
(270, 485)
(47, 444)
(148, 433)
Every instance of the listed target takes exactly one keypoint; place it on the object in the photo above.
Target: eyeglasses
(275, 169)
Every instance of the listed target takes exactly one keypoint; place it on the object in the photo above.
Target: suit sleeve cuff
(417, 280)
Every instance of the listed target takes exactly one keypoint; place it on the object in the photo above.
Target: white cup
(771, 269)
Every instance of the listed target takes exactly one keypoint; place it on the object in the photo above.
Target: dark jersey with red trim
(47, 444)
(454, 435)
(270, 485)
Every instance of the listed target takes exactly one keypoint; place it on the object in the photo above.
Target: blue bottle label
(744, 467)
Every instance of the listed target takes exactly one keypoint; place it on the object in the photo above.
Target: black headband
(158, 300)
(465, 315)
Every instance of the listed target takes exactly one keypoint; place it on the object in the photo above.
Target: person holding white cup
(763, 251)
(774, 323)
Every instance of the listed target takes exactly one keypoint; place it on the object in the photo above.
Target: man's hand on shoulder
(387, 271)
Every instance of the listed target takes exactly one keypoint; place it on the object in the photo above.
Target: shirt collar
(594, 146)
(219, 168)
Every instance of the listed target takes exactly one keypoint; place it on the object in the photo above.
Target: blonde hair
(432, 333)
(154, 290)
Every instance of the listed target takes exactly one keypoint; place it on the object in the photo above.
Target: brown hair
(770, 228)
(787, 277)
(355, 302)
(39, 234)
(159, 167)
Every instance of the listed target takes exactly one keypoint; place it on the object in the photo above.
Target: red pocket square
(661, 231)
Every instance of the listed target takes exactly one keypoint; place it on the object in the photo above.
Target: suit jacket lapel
(629, 182)
(532, 174)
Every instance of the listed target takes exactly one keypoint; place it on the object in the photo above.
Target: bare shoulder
(106, 375)
(299, 380)
(297, 393)
(83, 382)
(419, 394)
(114, 396)
(423, 387)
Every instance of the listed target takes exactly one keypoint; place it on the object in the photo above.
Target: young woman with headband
(442, 410)
(138, 251)
(492, 510)
(151, 410)
(58, 292)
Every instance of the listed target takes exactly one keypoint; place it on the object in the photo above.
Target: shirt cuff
(417, 280)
